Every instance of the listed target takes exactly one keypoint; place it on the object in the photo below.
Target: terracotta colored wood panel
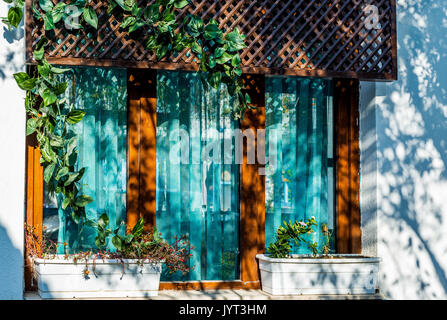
(142, 121)
(252, 197)
(347, 166)
(34, 199)
(208, 285)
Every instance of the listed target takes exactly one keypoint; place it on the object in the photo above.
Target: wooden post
(252, 194)
(346, 99)
(142, 161)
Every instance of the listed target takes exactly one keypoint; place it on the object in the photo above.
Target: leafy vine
(50, 118)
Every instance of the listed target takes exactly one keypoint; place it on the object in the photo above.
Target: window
(299, 180)
(126, 145)
(197, 190)
(102, 145)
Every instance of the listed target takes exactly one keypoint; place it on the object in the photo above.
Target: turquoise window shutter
(197, 190)
(299, 174)
(102, 150)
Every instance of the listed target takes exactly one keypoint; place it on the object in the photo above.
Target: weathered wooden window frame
(141, 185)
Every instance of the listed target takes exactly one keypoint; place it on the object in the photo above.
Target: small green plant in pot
(298, 231)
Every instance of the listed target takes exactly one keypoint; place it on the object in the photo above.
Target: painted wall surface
(12, 162)
(409, 119)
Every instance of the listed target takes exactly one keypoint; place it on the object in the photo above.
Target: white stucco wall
(12, 162)
(410, 118)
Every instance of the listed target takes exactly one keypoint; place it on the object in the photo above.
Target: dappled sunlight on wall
(12, 161)
(412, 157)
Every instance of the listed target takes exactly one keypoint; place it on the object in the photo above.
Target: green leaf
(224, 58)
(194, 26)
(235, 41)
(138, 24)
(161, 51)
(219, 52)
(180, 4)
(60, 88)
(99, 242)
(47, 153)
(91, 223)
(196, 47)
(24, 81)
(39, 54)
(58, 12)
(247, 98)
(83, 200)
(214, 79)
(103, 221)
(56, 141)
(62, 172)
(75, 216)
(236, 61)
(112, 5)
(59, 70)
(71, 178)
(117, 242)
(128, 238)
(65, 203)
(75, 116)
(151, 42)
(212, 31)
(48, 172)
(128, 22)
(71, 145)
(136, 11)
(31, 125)
(152, 12)
(123, 5)
(44, 70)
(46, 5)
(48, 21)
(138, 228)
(48, 97)
(15, 15)
(90, 17)
(238, 71)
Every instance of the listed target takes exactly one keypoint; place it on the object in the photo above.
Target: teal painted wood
(102, 150)
(197, 193)
(297, 184)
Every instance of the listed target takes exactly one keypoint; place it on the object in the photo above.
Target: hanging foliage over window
(49, 117)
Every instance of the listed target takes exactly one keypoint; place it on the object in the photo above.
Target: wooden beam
(161, 65)
(346, 98)
(252, 189)
(142, 122)
(209, 285)
(34, 199)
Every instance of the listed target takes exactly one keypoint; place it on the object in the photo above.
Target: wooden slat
(209, 285)
(252, 189)
(34, 199)
(141, 187)
(347, 166)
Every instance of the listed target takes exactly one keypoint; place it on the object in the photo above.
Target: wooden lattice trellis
(327, 38)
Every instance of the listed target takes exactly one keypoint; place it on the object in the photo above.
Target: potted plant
(283, 273)
(133, 270)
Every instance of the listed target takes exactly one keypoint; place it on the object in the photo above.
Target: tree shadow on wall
(10, 271)
(8, 55)
(412, 138)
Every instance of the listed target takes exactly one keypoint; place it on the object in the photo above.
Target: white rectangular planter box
(342, 274)
(59, 278)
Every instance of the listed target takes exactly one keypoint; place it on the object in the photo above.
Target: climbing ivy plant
(50, 118)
